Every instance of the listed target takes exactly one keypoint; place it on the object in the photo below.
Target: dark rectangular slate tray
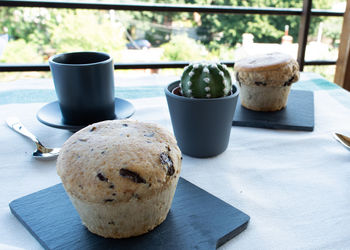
(197, 220)
(298, 114)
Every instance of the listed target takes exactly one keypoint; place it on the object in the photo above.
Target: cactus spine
(206, 80)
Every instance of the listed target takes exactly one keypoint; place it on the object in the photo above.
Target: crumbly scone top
(280, 71)
(262, 62)
(119, 160)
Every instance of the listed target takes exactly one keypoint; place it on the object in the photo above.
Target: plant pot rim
(169, 88)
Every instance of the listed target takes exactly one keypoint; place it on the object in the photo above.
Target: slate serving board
(298, 114)
(197, 220)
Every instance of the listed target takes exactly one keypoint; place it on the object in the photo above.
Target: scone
(265, 80)
(121, 176)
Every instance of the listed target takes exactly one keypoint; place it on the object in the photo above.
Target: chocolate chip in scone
(165, 160)
(111, 186)
(171, 171)
(135, 177)
(237, 78)
(101, 177)
(111, 223)
(114, 194)
(150, 134)
(108, 200)
(125, 125)
(93, 129)
(260, 83)
(289, 82)
(169, 149)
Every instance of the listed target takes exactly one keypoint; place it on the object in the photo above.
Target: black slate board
(197, 220)
(298, 114)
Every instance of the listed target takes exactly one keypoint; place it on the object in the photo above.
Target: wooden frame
(342, 71)
(303, 32)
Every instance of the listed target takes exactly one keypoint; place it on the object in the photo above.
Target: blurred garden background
(32, 35)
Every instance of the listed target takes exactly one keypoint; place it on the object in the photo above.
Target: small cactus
(205, 80)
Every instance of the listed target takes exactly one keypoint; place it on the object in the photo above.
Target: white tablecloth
(294, 185)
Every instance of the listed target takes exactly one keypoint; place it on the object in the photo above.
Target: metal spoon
(41, 151)
(343, 139)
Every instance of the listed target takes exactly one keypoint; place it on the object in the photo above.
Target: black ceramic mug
(84, 84)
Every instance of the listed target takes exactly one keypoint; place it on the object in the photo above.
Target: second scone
(265, 80)
(121, 176)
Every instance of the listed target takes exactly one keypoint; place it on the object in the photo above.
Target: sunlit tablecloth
(294, 185)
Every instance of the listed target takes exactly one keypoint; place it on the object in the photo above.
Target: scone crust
(117, 161)
(263, 62)
(126, 219)
(273, 69)
(264, 98)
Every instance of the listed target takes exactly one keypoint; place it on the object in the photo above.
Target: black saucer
(51, 115)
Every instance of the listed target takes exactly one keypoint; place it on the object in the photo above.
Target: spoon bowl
(343, 139)
(41, 151)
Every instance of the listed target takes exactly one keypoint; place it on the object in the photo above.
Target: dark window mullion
(303, 32)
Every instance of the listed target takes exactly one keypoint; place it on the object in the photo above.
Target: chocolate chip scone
(121, 176)
(265, 80)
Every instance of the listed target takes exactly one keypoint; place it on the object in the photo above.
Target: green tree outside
(36, 33)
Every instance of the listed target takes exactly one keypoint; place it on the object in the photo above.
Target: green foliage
(29, 24)
(50, 31)
(19, 51)
(332, 29)
(157, 26)
(85, 30)
(218, 52)
(183, 48)
(228, 29)
(36, 33)
(157, 37)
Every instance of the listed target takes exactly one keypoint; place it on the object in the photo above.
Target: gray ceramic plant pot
(201, 126)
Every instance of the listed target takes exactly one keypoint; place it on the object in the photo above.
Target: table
(294, 185)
